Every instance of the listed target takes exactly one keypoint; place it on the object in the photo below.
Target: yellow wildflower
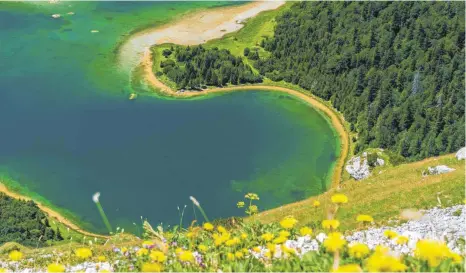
(402, 240)
(142, 252)
(15, 255)
(151, 267)
(330, 224)
(432, 251)
(2, 270)
(186, 256)
(239, 254)
(284, 233)
(101, 258)
(230, 256)
(157, 256)
(83, 253)
(245, 251)
(232, 242)
(280, 240)
(244, 236)
(305, 231)
(147, 243)
(256, 249)
(267, 237)
(104, 271)
(364, 218)
(253, 209)
(380, 262)
(240, 204)
(252, 196)
(124, 250)
(202, 248)
(316, 204)
(358, 250)
(221, 229)
(339, 198)
(208, 226)
(56, 267)
(288, 223)
(390, 234)
(348, 268)
(190, 234)
(287, 250)
(456, 258)
(334, 242)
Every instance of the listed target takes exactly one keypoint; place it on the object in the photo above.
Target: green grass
(383, 195)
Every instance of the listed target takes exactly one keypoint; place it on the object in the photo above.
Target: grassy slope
(384, 195)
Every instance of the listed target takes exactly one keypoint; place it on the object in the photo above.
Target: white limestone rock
(358, 168)
(461, 154)
(439, 169)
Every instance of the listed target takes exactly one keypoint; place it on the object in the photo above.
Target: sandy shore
(192, 29)
(51, 213)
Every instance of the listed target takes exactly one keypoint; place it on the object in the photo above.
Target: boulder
(439, 169)
(461, 154)
(358, 168)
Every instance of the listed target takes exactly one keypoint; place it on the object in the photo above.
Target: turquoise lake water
(67, 129)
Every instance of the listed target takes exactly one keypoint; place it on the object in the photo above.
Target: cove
(68, 129)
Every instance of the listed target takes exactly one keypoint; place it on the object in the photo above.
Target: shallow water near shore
(68, 129)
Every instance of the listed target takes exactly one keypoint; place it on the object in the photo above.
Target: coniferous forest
(23, 222)
(197, 66)
(394, 69)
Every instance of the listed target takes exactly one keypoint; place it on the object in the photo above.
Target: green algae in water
(69, 130)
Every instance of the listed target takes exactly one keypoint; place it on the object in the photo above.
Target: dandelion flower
(240, 204)
(305, 231)
(142, 252)
(358, 250)
(239, 254)
(221, 229)
(208, 226)
(151, 267)
(230, 256)
(287, 249)
(316, 204)
(339, 198)
(334, 242)
(147, 243)
(364, 218)
(284, 233)
(2, 270)
(186, 256)
(244, 236)
(101, 258)
(402, 240)
(432, 251)
(280, 240)
(330, 224)
(456, 258)
(55, 267)
(390, 234)
(157, 256)
(202, 248)
(15, 255)
(288, 222)
(267, 236)
(348, 268)
(83, 253)
(381, 262)
(256, 249)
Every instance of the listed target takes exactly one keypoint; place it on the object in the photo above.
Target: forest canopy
(394, 69)
(23, 222)
(197, 67)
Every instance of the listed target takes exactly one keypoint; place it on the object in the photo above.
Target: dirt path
(51, 213)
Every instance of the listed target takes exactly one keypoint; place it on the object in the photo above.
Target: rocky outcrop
(461, 154)
(439, 169)
(359, 168)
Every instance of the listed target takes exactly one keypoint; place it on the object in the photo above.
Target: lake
(68, 130)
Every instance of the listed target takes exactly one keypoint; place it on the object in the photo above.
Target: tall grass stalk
(95, 198)
(198, 205)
